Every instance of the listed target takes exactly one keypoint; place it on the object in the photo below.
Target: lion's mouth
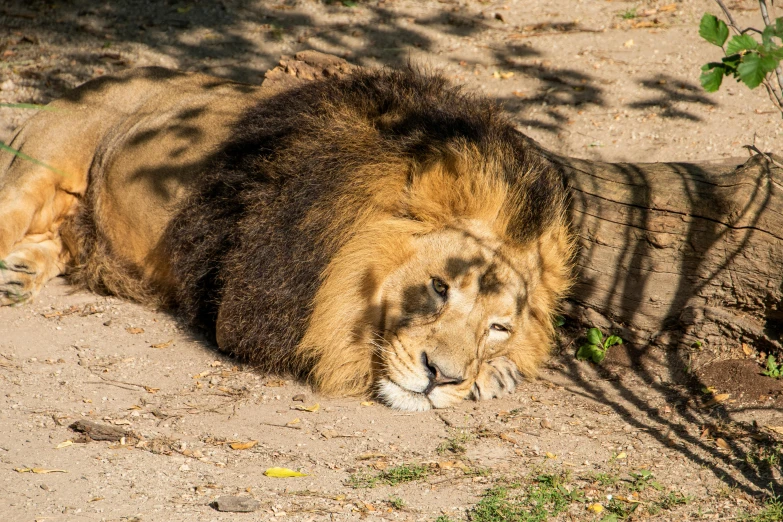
(401, 398)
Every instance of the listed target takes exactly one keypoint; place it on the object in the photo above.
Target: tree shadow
(667, 91)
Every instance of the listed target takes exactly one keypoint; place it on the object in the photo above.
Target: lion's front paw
(16, 282)
(496, 378)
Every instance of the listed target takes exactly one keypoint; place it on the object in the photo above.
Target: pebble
(7, 85)
(236, 504)
(299, 397)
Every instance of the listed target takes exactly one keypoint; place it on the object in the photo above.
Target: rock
(299, 397)
(96, 431)
(236, 504)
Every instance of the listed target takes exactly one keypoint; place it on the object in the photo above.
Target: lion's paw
(496, 378)
(18, 281)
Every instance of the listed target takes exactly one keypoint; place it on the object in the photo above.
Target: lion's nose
(436, 375)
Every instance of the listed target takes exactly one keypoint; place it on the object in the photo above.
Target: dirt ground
(598, 79)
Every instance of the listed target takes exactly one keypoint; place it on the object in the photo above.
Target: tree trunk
(686, 256)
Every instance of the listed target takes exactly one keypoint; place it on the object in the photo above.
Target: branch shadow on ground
(242, 40)
(667, 90)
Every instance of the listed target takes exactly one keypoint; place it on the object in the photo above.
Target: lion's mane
(312, 169)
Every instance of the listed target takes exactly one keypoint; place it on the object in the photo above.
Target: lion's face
(459, 300)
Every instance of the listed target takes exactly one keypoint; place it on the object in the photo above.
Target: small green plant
(276, 32)
(774, 369)
(443, 518)
(619, 510)
(455, 444)
(396, 503)
(642, 480)
(629, 14)
(596, 347)
(547, 496)
(605, 479)
(771, 512)
(391, 477)
(668, 502)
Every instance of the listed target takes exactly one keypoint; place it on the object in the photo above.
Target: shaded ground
(581, 79)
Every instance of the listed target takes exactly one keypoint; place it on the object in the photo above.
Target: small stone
(7, 85)
(236, 504)
(107, 323)
(299, 397)
(546, 423)
(45, 487)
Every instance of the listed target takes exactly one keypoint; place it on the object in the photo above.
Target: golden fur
(340, 231)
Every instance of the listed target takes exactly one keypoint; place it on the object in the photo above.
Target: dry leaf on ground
(283, 473)
(243, 445)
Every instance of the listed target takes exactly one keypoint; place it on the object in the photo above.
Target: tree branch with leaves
(746, 59)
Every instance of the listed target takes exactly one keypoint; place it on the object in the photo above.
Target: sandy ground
(578, 77)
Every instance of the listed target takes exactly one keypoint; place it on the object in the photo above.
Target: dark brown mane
(290, 186)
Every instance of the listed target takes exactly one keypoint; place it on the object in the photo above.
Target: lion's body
(305, 230)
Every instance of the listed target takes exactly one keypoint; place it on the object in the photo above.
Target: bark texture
(686, 255)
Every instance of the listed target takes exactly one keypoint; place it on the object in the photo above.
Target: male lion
(382, 232)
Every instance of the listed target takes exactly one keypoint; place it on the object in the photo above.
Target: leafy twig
(767, 22)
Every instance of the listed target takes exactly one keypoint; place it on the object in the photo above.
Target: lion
(376, 233)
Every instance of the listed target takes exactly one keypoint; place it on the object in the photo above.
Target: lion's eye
(440, 287)
(499, 327)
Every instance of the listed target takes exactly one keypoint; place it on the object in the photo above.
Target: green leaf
(559, 321)
(598, 355)
(585, 351)
(612, 340)
(751, 71)
(594, 336)
(730, 64)
(712, 77)
(775, 53)
(768, 64)
(773, 369)
(713, 30)
(741, 42)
